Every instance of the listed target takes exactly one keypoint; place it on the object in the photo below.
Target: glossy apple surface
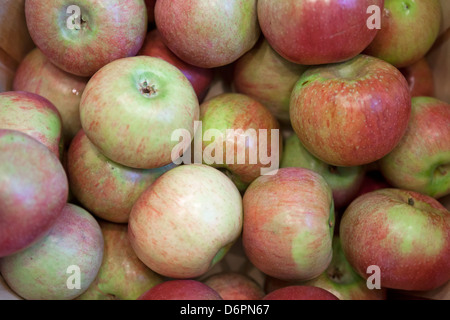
(210, 33)
(181, 290)
(239, 112)
(200, 78)
(34, 115)
(404, 233)
(131, 119)
(122, 276)
(288, 224)
(107, 189)
(344, 181)
(267, 77)
(33, 191)
(108, 30)
(401, 21)
(317, 32)
(186, 221)
(351, 113)
(421, 161)
(43, 271)
(38, 75)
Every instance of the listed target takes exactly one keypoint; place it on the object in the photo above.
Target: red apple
(122, 276)
(186, 221)
(131, 107)
(404, 233)
(235, 286)
(288, 224)
(420, 78)
(421, 161)
(47, 270)
(397, 41)
(33, 191)
(34, 115)
(200, 78)
(242, 152)
(209, 33)
(107, 30)
(181, 290)
(351, 113)
(267, 77)
(150, 4)
(108, 189)
(38, 75)
(317, 32)
(300, 293)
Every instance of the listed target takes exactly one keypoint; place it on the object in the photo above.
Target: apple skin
(235, 286)
(421, 161)
(110, 30)
(344, 181)
(122, 276)
(288, 224)
(107, 189)
(40, 271)
(33, 191)
(404, 233)
(237, 111)
(38, 75)
(34, 115)
(200, 78)
(195, 199)
(181, 290)
(401, 22)
(351, 113)
(208, 34)
(267, 77)
(317, 32)
(300, 293)
(420, 78)
(131, 119)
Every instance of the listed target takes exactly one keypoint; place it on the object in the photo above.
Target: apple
(404, 233)
(186, 221)
(33, 191)
(420, 78)
(300, 293)
(397, 41)
(351, 113)
(38, 75)
(317, 32)
(267, 77)
(341, 280)
(48, 269)
(421, 161)
(107, 189)
(131, 107)
(181, 290)
(210, 33)
(344, 181)
(122, 276)
(373, 180)
(200, 78)
(34, 115)
(235, 286)
(83, 42)
(288, 224)
(242, 150)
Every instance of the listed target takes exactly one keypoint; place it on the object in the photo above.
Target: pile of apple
(101, 199)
